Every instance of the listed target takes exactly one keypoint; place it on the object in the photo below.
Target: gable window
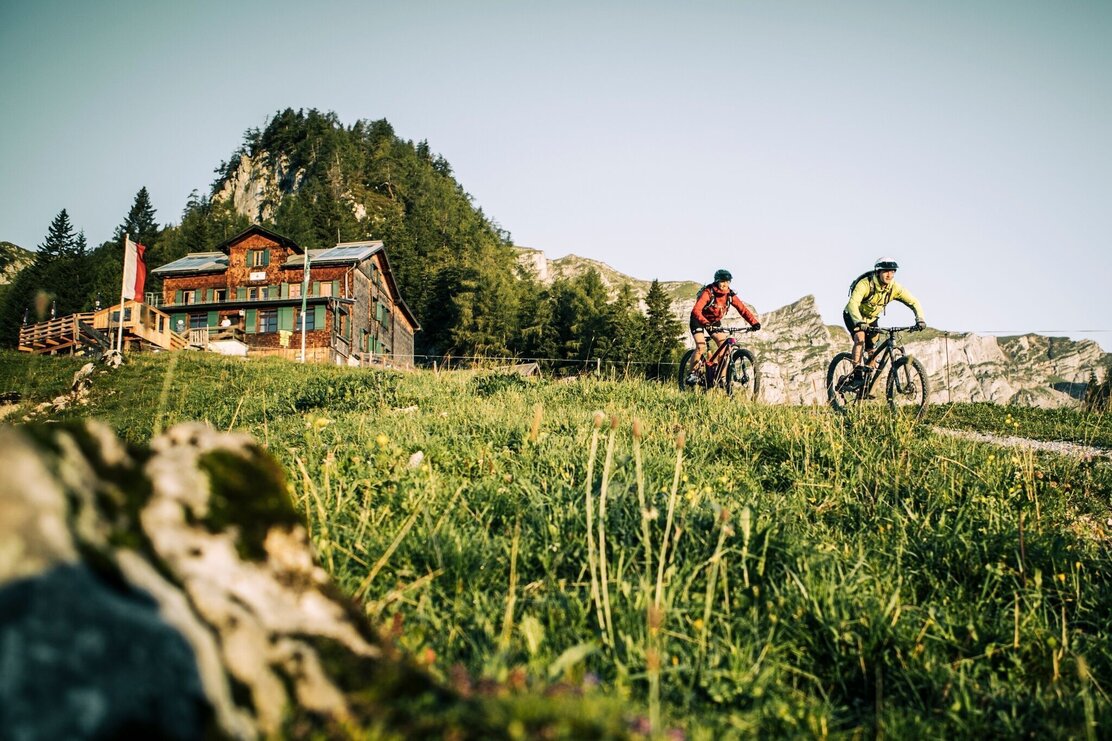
(258, 258)
(268, 320)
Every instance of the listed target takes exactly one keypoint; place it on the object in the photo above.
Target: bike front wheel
(908, 387)
(742, 377)
(840, 388)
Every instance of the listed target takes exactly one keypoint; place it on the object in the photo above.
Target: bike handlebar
(729, 330)
(891, 330)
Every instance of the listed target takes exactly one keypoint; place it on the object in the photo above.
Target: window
(258, 258)
(325, 288)
(268, 320)
(198, 321)
(310, 320)
(189, 297)
(219, 294)
(295, 290)
(256, 293)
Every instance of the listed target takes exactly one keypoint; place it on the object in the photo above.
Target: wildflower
(382, 440)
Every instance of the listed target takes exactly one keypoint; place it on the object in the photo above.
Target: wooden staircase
(144, 328)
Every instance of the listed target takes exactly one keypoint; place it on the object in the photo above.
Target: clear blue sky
(792, 142)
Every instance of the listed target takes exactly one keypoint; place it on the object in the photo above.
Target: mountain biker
(711, 305)
(869, 296)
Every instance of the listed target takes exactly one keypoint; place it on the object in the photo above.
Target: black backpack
(857, 280)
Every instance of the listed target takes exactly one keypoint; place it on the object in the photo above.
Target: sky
(792, 143)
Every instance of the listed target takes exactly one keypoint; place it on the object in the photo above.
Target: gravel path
(1052, 446)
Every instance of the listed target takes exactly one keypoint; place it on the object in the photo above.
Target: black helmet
(722, 275)
(886, 263)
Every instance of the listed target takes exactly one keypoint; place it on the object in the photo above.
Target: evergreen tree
(106, 262)
(60, 240)
(139, 225)
(662, 333)
(52, 279)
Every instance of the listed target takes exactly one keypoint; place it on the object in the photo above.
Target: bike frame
(887, 351)
(715, 358)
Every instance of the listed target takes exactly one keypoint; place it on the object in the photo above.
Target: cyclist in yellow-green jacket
(869, 296)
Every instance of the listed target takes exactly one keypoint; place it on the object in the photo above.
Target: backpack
(713, 296)
(858, 279)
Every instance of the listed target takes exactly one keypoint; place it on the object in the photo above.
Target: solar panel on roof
(196, 262)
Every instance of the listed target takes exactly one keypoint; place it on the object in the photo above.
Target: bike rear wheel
(742, 377)
(689, 381)
(908, 387)
(838, 376)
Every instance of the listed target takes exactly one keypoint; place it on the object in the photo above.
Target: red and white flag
(135, 269)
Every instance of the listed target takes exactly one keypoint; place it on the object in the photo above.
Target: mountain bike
(730, 368)
(907, 387)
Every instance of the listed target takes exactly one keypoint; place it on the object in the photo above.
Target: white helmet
(886, 263)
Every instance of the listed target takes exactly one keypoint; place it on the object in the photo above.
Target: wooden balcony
(144, 327)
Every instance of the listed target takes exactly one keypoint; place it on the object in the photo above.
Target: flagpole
(304, 302)
(123, 289)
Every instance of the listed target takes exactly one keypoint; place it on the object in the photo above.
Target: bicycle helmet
(886, 263)
(722, 275)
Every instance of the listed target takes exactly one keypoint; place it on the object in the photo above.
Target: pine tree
(52, 278)
(139, 225)
(60, 240)
(662, 332)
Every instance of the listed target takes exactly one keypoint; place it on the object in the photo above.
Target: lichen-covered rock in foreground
(172, 592)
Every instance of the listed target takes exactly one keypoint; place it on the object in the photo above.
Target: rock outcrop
(173, 593)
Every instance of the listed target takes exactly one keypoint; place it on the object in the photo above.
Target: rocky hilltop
(13, 258)
(794, 348)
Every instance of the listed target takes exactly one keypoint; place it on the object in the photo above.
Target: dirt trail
(1011, 441)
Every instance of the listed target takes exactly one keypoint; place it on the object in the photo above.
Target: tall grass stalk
(324, 537)
(713, 567)
(589, 504)
(164, 394)
(364, 585)
(511, 595)
(659, 595)
(646, 582)
(604, 576)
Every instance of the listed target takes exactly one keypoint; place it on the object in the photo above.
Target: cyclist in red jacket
(711, 305)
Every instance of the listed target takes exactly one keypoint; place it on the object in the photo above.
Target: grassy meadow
(723, 568)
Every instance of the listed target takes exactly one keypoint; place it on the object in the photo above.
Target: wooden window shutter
(241, 293)
(251, 320)
(213, 318)
(285, 318)
(177, 296)
(273, 291)
(285, 290)
(319, 316)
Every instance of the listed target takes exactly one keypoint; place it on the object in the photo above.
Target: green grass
(824, 575)
(1039, 424)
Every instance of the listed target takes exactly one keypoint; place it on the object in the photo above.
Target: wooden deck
(144, 327)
